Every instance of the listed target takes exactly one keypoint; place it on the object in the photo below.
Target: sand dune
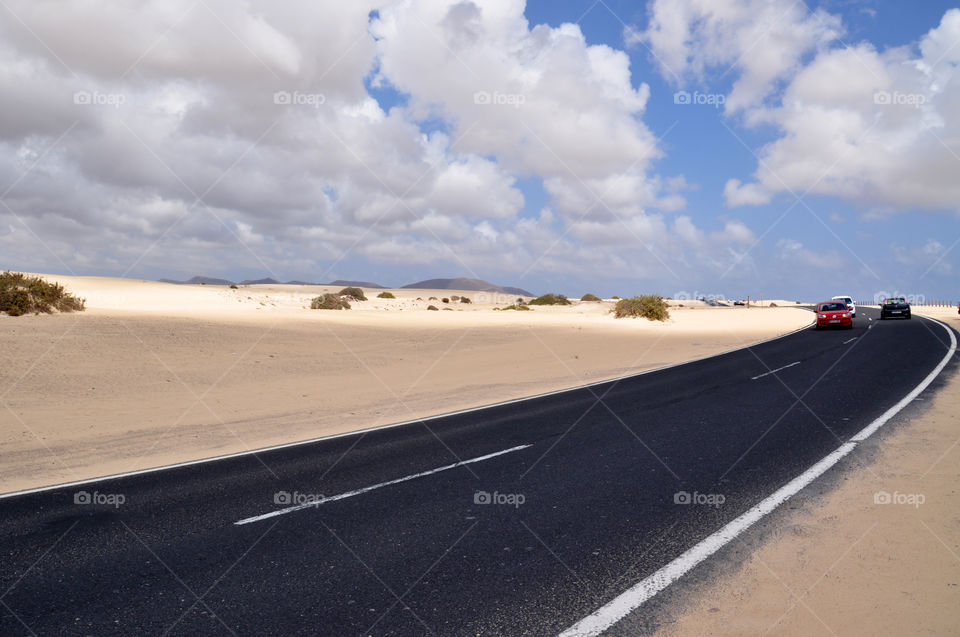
(155, 373)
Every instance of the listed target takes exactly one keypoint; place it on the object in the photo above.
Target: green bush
(521, 308)
(649, 306)
(21, 294)
(590, 297)
(551, 299)
(386, 295)
(353, 293)
(15, 301)
(329, 302)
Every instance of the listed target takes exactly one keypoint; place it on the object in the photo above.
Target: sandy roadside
(846, 563)
(153, 373)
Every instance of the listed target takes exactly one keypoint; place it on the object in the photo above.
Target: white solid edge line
(379, 485)
(621, 606)
(774, 371)
(628, 601)
(357, 432)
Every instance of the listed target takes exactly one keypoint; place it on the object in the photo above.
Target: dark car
(895, 307)
(834, 314)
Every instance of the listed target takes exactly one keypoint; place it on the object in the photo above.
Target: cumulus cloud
(217, 135)
(879, 128)
(764, 40)
(794, 253)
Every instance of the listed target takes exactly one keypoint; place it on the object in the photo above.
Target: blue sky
(793, 180)
(702, 148)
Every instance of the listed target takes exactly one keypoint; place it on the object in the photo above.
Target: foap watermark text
(108, 499)
(509, 499)
(296, 98)
(911, 499)
(286, 498)
(496, 98)
(715, 500)
(98, 98)
(896, 98)
(912, 299)
(697, 98)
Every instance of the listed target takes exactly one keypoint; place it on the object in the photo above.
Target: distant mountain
(357, 284)
(430, 284)
(197, 280)
(463, 283)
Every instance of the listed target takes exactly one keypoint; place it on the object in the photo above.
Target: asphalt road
(595, 488)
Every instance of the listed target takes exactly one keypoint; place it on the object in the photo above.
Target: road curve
(522, 518)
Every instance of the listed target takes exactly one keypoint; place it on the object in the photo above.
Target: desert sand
(837, 560)
(154, 373)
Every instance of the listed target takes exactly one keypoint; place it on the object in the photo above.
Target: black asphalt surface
(598, 485)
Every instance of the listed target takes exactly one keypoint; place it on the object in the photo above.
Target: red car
(834, 314)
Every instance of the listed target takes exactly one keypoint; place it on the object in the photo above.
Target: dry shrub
(329, 302)
(21, 294)
(353, 293)
(551, 299)
(649, 306)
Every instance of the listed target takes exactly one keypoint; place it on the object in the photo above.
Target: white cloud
(735, 232)
(222, 122)
(764, 40)
(876, 128)
(935, 254)
(737, 193)
(794, 253)
(879, 128)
